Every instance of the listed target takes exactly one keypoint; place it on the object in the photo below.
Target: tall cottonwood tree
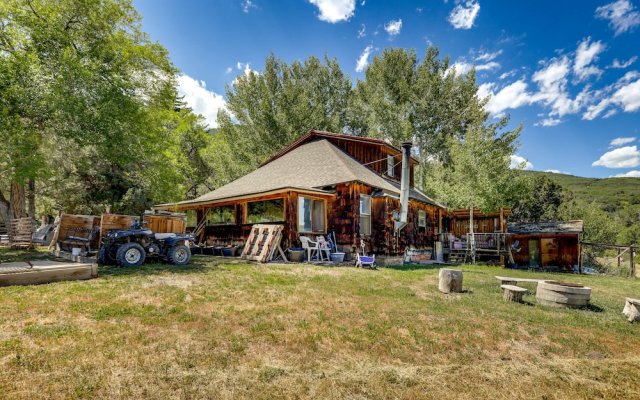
(270, 109)
(79, 74)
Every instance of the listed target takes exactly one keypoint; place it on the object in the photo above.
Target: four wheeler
(130, 247)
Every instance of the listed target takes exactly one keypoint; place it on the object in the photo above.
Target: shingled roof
(311, 166)
(520, 228)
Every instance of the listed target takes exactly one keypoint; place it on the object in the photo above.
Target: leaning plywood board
(42, 271)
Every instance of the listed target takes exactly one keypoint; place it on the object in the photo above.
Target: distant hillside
(611, 193)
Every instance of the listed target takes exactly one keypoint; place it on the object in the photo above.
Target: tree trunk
(17, 201)
(31, 198)
(450, 280)
(5, 213)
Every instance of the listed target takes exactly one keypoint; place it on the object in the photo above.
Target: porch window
(422, 219)
(311, 215)
(224, 215)
(365, 214)
(265, 211)
(192, 219)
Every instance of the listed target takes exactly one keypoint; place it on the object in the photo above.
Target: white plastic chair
(311, 247)
(364, 260)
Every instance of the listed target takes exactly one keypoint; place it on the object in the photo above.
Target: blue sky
(569, 71)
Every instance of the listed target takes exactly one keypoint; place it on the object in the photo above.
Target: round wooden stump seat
(450, 280)
(513, 293)
(632, 309)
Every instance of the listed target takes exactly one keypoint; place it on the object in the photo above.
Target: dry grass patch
(214, 330)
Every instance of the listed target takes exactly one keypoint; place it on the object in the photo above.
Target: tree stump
(632, 309)
(450, 280)
(513, 293)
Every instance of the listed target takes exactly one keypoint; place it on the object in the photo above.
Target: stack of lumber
(4, 236)
(20, 233)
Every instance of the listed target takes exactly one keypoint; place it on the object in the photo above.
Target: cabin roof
(311, 166)
(521, 228)
(314, 134)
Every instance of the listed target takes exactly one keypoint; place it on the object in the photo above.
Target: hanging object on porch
(263, 242)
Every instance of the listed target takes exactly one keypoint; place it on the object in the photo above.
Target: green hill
(611, 193)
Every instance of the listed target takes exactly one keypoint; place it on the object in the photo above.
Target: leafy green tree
(272, 108)
(599, 227)
(541, 200)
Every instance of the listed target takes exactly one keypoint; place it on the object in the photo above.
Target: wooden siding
(559, 250)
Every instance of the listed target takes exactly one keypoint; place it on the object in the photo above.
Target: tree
(270, 109)
(541, 200)
(78, 78)
(402, 99)
(478, 174)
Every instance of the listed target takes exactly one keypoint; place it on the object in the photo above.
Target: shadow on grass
(592, 308)
(196, 266)
(414, 267)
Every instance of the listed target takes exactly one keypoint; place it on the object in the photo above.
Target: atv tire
(130, 255)
(179, 255)
(103, 256)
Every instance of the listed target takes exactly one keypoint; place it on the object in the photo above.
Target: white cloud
(228, 70)
(246, 70)
(362, 31)
(620, 64)
(628, 174)
(518, 162)
(393, 27)
(511, 96)
(621, 141)
(464, 14)
(586, 53)
(363, 60)
(628, 96)
(247, 5)
(622, 16)
(201, 100)
(486, 56)
(508, 74)
(462, 67)
(549, 122)
(333, 11)
(554, 171)
(622, 157)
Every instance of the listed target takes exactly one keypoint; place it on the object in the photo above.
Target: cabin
(551, 246)
(324, 182)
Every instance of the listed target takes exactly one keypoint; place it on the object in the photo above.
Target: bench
(506, 280)
(632, 309)
(513, 293)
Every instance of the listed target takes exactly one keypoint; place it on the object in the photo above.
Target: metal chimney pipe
(404, 186)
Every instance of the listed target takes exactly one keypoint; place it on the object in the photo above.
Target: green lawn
(249, 331)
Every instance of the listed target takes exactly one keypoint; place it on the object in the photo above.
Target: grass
(246, 331)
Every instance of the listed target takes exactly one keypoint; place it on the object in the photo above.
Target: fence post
(632, 264)
(580, 257)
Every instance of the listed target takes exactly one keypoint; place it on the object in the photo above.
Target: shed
(550, 245)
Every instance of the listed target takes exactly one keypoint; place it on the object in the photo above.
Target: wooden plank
(42, 271)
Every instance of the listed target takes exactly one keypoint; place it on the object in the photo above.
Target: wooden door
(534, 253)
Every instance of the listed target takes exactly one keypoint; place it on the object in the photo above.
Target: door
(534, 253)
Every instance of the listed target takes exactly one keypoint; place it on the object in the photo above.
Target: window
(310, 215)
(391, 164)
(365, 214)
(224, 215)
(422, 219)
(192, 218)
(265, 211)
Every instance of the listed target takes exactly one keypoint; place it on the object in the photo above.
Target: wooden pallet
(20, 233)
(263, 243)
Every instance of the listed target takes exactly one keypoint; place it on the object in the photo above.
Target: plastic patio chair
(324, 246)
(311, 247)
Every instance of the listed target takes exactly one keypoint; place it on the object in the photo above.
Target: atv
(130, 247)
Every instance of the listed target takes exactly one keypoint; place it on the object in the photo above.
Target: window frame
(422, 223)
(360, 214)
(324, 219)
(246, 211)
(233, 208)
